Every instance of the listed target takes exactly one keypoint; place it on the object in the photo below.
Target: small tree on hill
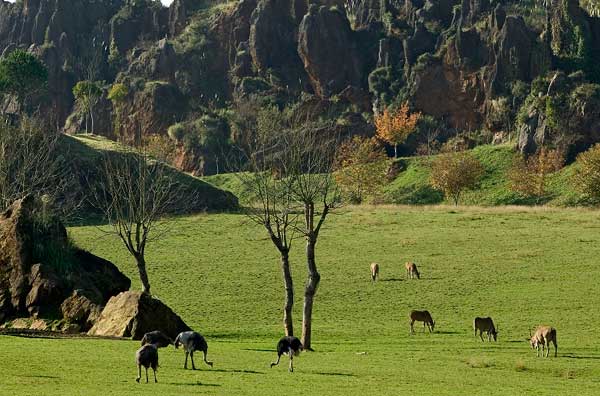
(117, 94)
(87, 93)
(135, 193)
(361, 166)
(22, 75)
(529, 176)
(453, 173)
(394, 126)
(587, 176)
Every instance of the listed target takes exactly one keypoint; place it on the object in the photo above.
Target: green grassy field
(523, 267)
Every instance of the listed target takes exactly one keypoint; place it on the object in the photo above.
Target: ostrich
(290, 346)
(147, 356)
(157, 338)
(191, 342)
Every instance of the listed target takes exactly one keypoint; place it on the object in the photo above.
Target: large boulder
(329, 51)
(40, 268)
(133, 314)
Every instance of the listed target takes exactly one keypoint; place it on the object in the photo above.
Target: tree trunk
(141, 264)
(310, 290)
(288, 323)
(395, 151)
(92, 119)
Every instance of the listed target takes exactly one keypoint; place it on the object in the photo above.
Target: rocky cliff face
(461, 61)
(43, 276)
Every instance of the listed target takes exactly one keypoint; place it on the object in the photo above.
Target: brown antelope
(421, 316)
(543, 336)
(412, 271)
(485, 325)
(374, 271)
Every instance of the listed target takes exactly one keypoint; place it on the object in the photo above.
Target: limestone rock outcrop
(133, 314)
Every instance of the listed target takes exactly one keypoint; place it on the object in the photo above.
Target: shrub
(177, 132)
(587, 177)
(361, 168)
(160, 147)
(529, 177)
(452, 173)
(118, 92)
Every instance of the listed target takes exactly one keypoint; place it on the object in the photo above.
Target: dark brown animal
(543, 336)
(412, 271)
(374, 271)
(147, 356)
(421, 316)
(485, 325)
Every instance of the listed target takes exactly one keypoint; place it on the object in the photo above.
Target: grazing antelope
(543, 336)
(412, 271)
(421, 316)
(290, 346)
(374, 271)
(485, 325)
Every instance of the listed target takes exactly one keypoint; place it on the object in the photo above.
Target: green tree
(587, 176)
(88, 93)
(22, 74)
(117, 94)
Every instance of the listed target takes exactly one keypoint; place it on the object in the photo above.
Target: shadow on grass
(331, 374)
(236, 371)
(572, 356)
(191, 384)
(259, 350)
(392, 280)
(41, 376)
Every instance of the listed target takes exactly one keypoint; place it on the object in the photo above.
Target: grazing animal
(290, 346)
(421, 316)
(543, 336)
(157, 338)
(412, 271)
(485, 325)
(191, 342)
(147, 356)
(374, 271)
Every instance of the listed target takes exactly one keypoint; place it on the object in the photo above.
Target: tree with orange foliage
(361, 167)
(529, 177)
(394, 126)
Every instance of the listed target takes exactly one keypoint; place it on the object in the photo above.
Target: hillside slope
(412, 184)
(85, 154)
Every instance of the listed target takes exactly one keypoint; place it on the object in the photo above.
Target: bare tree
(135, 193)
(271, 203)
(32, 161)
(307, 166)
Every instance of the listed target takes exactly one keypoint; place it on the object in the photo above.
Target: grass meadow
(522, 266)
